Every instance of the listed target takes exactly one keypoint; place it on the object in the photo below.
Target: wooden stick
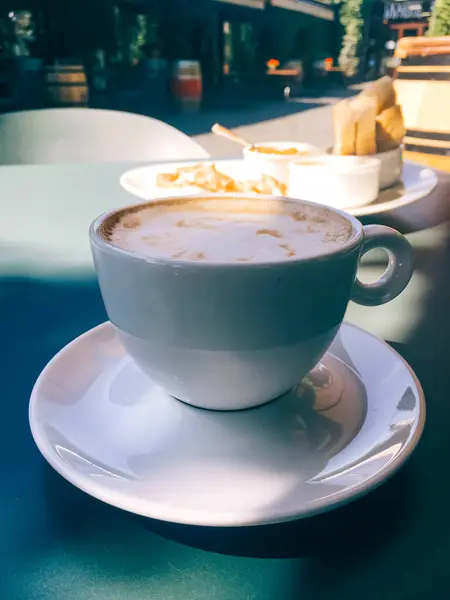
(227, 133)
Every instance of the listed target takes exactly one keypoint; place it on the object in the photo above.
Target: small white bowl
(273, 164)
(391, 166)
(338, 181)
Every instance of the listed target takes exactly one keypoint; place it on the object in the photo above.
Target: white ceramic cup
(275, 165)
(339, 181)
(231, 336)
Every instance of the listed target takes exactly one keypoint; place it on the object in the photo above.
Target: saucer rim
(365, 210)
(189, 517)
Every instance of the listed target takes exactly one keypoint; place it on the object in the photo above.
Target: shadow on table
(44, 314)
(39, 316)
(342, 532)
(428, 346)
(79, 518)
(425, 213)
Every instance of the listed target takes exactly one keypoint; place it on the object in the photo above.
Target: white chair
(84, 135)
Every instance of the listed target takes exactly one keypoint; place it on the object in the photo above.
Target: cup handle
(398, 272)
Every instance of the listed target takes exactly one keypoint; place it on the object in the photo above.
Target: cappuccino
(223, 230)
(207, 294)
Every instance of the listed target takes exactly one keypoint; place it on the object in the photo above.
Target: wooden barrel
(422, 84)
(66, 85)
(186, 85)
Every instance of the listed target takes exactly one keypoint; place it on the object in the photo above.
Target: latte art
(223, 230)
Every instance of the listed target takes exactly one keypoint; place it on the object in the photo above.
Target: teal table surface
(56, 543)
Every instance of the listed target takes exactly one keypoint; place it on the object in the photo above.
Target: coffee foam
(227, 230)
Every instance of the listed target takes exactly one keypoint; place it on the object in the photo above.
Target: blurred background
(148, 56)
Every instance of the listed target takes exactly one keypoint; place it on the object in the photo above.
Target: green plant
(353, 24)
(440, 18)
(138, 38)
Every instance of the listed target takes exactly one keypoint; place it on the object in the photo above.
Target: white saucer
(417, 182)
(112, 433)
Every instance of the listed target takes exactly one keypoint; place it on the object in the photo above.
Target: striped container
(422, 83)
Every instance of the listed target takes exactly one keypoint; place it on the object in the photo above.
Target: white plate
(417, 182)
(111, 432)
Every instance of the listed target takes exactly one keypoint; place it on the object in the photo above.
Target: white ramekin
(391, 165)
(338, 181)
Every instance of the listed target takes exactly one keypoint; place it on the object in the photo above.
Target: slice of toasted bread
(344, 125)
(365, 110)
(390, 129)
(384, 92)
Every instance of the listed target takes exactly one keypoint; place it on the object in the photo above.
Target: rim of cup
(99, 241)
